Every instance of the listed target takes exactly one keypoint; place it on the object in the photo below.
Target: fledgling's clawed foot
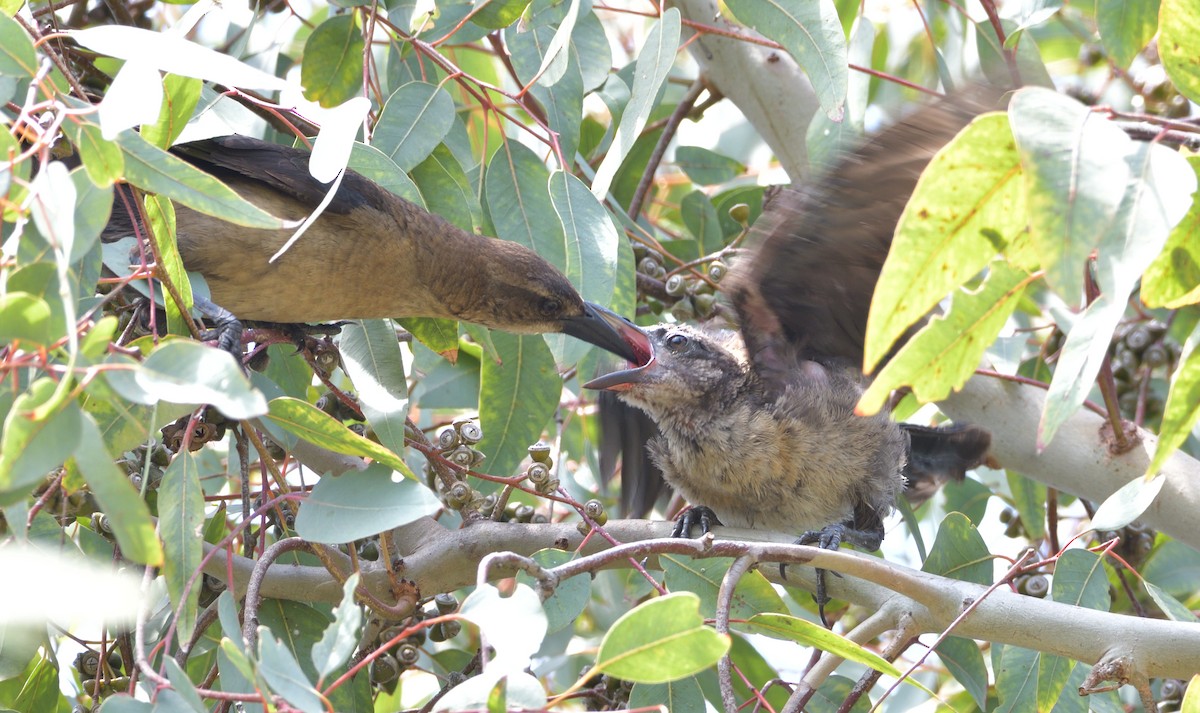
(695, 515)
(827, 538)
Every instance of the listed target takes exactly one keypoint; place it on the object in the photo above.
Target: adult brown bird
(757, 427)
(371, 254)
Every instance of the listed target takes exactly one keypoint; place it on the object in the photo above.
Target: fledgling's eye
(677, 341)
(550, 306)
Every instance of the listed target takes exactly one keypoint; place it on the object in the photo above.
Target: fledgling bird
(371, 254)
(757, 427)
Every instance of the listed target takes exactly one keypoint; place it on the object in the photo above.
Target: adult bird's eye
(677, 341)
(550, 306)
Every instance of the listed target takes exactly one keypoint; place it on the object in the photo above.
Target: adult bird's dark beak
(608, 330)
(639, 351)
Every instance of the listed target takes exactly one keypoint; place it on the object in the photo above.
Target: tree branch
(437, 560)
(1077, 461)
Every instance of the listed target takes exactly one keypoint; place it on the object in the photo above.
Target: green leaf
(17, 57)
(414, 121)
(945, 353)
(782, 626)
(661, 640)
(517, 191)
(993, 59)
(591, 247)
(964, 660)
(514, 626)
(702, 222)
(118, 499)
(440, 335)
(27, 318)
(1029, 498)
(180, 96)
(1191, 699)
(314, 425)
(372, 359)
(161, 215)
(570, 597)
(341, 636)
(1126, 26)
(186, 372)
(681, 695)
(812, 34)
(1173, 279)
(284, 674)
(183, 687)
(517, 398)
(702, 577)
(968, 204)
(1172, 607)
(121, 703)
(332, 69)
(1182, 409)
(152, 169)
(374, 164)
(1127, 503)
(1156, 196)
(653, 64)
(959, 552)
(705, 166)
(969, 497)
(53, 209)
(1174, 567)
(180, 525)
(447, 189)
(1075, 175)
(102, 159)
(1179, 45)
(498, 14)
(1079, 580)
(553, 59)
(361, 504)
(31, 447)
(560, 90)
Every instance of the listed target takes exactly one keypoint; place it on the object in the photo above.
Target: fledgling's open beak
(609, 330)
(642, 359)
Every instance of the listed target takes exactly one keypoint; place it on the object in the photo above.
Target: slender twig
(681, 110)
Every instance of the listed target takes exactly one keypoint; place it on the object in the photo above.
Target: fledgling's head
(686, 371)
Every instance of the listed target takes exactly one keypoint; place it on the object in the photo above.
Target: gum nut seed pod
(436, 633)
(740, 212)
(595, 510)
(87, 663)
(459, 494)
(704, 304)
(583, 527)
(451, 628)
(537, 473)
(524, 513)
(717, 270)
(683, 310)
(1139, 338)
(447, 438)
(470, 432)
(446, 603)
(676, 285)
(384, 669)
(540, 452)
(407, 654)
(647, 266)
(461, 456)
(1038, 585)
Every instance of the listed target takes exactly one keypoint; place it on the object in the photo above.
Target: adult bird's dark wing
(819, 248)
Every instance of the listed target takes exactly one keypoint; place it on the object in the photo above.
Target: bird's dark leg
(830, 538)
(227, 330)
(695, 515)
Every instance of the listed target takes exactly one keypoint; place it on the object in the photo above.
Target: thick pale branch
(438, 560)
(1077, 461)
